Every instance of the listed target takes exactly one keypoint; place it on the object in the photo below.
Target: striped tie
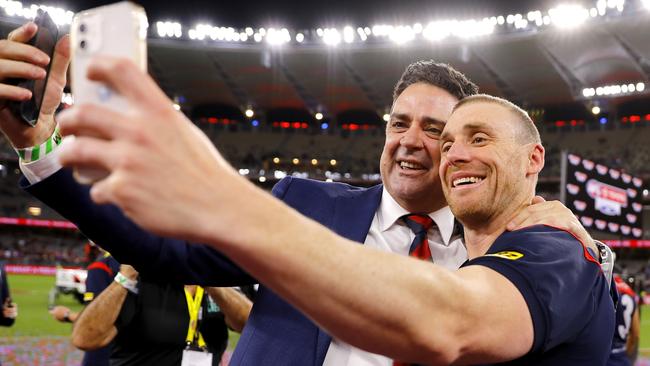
(420, 225)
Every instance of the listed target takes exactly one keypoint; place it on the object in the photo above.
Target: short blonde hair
(527, 132)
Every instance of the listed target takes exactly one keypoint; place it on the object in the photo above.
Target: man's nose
(458, 152)
(412, 138)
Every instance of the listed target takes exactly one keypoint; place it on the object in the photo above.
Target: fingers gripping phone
(117, 30)
(45, 40)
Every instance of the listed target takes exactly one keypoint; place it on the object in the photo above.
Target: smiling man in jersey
(562, 314)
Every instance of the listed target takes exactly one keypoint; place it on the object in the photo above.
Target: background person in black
(150, 327)
(101, 270)
(9, 308)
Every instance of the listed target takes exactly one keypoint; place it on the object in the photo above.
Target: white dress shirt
(390, 234)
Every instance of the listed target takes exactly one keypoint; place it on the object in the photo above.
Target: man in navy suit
(276, 333)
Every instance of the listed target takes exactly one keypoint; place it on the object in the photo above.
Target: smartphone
(45, 40)
(118, 30)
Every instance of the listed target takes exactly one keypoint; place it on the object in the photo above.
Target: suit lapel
(352, 218)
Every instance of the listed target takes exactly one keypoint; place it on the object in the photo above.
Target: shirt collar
(390, 211)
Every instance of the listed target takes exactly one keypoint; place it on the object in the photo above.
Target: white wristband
(129, 284)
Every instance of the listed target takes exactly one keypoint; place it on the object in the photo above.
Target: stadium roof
(540, 67)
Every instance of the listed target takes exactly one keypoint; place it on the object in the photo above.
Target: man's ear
(535, 159)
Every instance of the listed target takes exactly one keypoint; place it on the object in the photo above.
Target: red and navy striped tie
(420, 225)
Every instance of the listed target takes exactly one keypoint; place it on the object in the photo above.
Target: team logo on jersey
(507, 254)
(89, 296)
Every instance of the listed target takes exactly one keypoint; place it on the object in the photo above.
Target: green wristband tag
(31, 154)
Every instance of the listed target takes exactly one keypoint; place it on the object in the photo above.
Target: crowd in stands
(41, 247)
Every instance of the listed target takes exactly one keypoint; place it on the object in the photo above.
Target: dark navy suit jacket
(276, 333)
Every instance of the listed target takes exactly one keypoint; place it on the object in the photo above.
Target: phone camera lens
(82, 28)
(82, 44)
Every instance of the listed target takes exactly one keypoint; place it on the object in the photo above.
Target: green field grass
(31, 294)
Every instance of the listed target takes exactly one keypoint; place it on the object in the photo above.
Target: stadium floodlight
(362, 34)
(257, 37)
(501, 20)
(279, 174)
(67, 98)
(276, 160)
(333, 162)
(249, 31)
(300, 37)
(249, 113)
(318, 116)
(595, 110)
(613, 90)
(262, 179)
(262, 32)
(646, 3)
(314, 161)
(568, 16)
(278, 37)
(436, 31)
(386, 117)
(401, 34)
(331, 37)
(417, 28)
(295, 161)
(244, 171)
(177, 106)
(348, 34)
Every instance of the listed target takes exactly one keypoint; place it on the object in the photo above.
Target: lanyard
(194, 308)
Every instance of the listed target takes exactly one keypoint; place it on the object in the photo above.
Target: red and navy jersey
(100, 276)
(627, 304)
(566, 293)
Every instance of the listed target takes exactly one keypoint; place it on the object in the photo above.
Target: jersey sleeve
(555, 275)
(100, 275)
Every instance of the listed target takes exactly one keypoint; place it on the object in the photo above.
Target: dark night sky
(312, 14)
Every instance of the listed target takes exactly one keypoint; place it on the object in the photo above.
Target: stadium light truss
(613, 90)
(565, 16)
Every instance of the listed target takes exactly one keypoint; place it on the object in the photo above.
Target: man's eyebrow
(470, 127)
(401, 116)
(478, 126)
(434, 121)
